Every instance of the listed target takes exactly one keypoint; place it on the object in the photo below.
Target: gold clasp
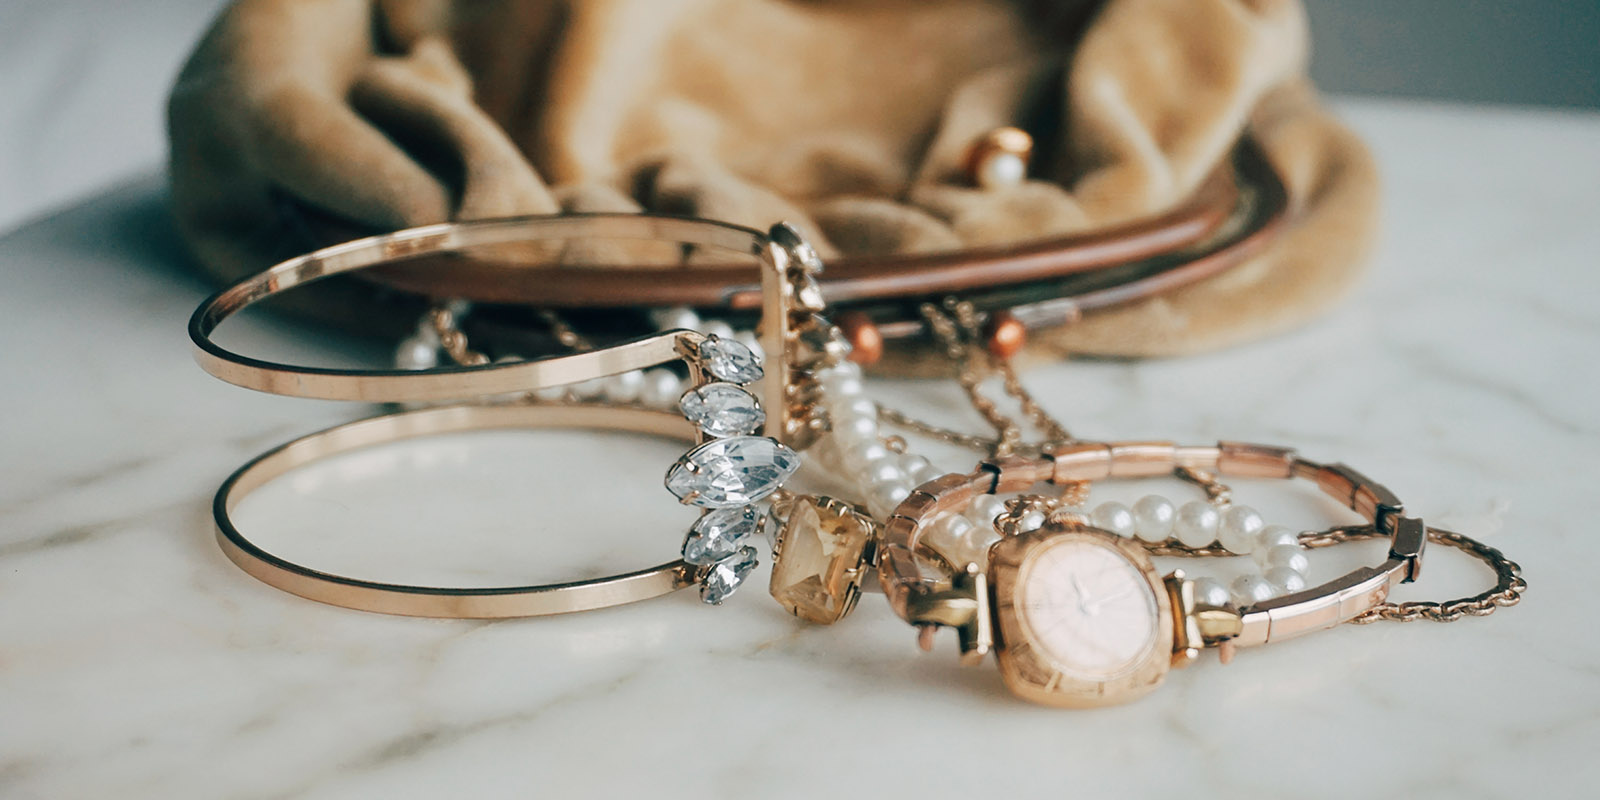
(965, 607)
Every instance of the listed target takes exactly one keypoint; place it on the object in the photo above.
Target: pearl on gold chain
(1239, 529)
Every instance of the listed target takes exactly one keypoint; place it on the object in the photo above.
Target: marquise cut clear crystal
(727, 575)
(722, 409)
(720, 533)
(728, 360)
(736, 471)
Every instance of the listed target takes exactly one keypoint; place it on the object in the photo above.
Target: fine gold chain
(957, 327)
(972, 326)
(945, 328)
(564, 332)
(1507, 591)
(452, 339)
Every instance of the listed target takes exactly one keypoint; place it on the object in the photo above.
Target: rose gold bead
(866, 341)
(1005, 334)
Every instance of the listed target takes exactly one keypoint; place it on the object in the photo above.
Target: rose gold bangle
(429, 601)
(776, 250)
(741, 456)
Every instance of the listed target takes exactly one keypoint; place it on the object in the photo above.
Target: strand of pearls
(855, 448)
(1238, 529)
(854, 445)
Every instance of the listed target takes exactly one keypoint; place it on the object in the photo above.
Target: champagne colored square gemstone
(817, 571)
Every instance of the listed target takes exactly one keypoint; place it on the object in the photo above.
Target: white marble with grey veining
(135, 661)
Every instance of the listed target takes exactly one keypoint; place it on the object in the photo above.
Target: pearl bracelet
(855, 449)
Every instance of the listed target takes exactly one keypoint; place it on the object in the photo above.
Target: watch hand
(1079, 593)
(1094, 607)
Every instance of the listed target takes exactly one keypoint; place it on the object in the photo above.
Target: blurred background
(83, 84)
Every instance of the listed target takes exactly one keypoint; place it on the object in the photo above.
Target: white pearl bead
(885, 470)
(414, 353)
(855, 407)
(427, 333)
(860, 454)
(625, 387)
(1210, 592)
(919, 469)
(843, 369)
(590, 389)
(1251, 589)
(999, 169)
(860, 429)
(895, 489)
(661, 388)
(1287, 555)
(1031, 520)
(1196, 524)
(945, 534)
(886, 496)
(1285, 580)
(550, 394)
(984, 508)
(1153, 517)
(844, 386)
(1238, 528)
(975, 546)
(717, 328)
(1271, 536)
(1113, 516)
(751, 340)
(928, 472)
(675, 318)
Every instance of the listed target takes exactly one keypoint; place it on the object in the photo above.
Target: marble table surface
(136, 661)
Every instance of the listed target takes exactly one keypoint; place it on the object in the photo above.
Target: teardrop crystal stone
(719, 534)
(736, 471)
(722, 409)
(727, 575)
(728, 360)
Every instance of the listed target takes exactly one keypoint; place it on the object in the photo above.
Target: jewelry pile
(1010, 554)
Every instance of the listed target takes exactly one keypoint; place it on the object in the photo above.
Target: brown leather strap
(1260, 213)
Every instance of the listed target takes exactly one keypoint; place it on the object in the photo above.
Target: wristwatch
(1078, 616)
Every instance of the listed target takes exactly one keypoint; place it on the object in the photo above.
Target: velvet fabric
(849, 118)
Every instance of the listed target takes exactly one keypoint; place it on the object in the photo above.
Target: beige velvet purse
(298, 123)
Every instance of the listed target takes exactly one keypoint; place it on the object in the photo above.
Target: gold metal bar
(1245, 460)
(1080, 461)
(1142, 459)
(1018, 473)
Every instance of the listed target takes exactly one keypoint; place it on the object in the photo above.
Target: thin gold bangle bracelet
(742, 454)
(777, 250)
(429, 601)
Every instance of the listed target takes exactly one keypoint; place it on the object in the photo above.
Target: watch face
(1088, 608)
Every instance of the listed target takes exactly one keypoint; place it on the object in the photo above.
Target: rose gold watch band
(430, 601)
(902, 569)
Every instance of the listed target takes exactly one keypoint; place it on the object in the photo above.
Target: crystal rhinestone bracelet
(745, 416)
